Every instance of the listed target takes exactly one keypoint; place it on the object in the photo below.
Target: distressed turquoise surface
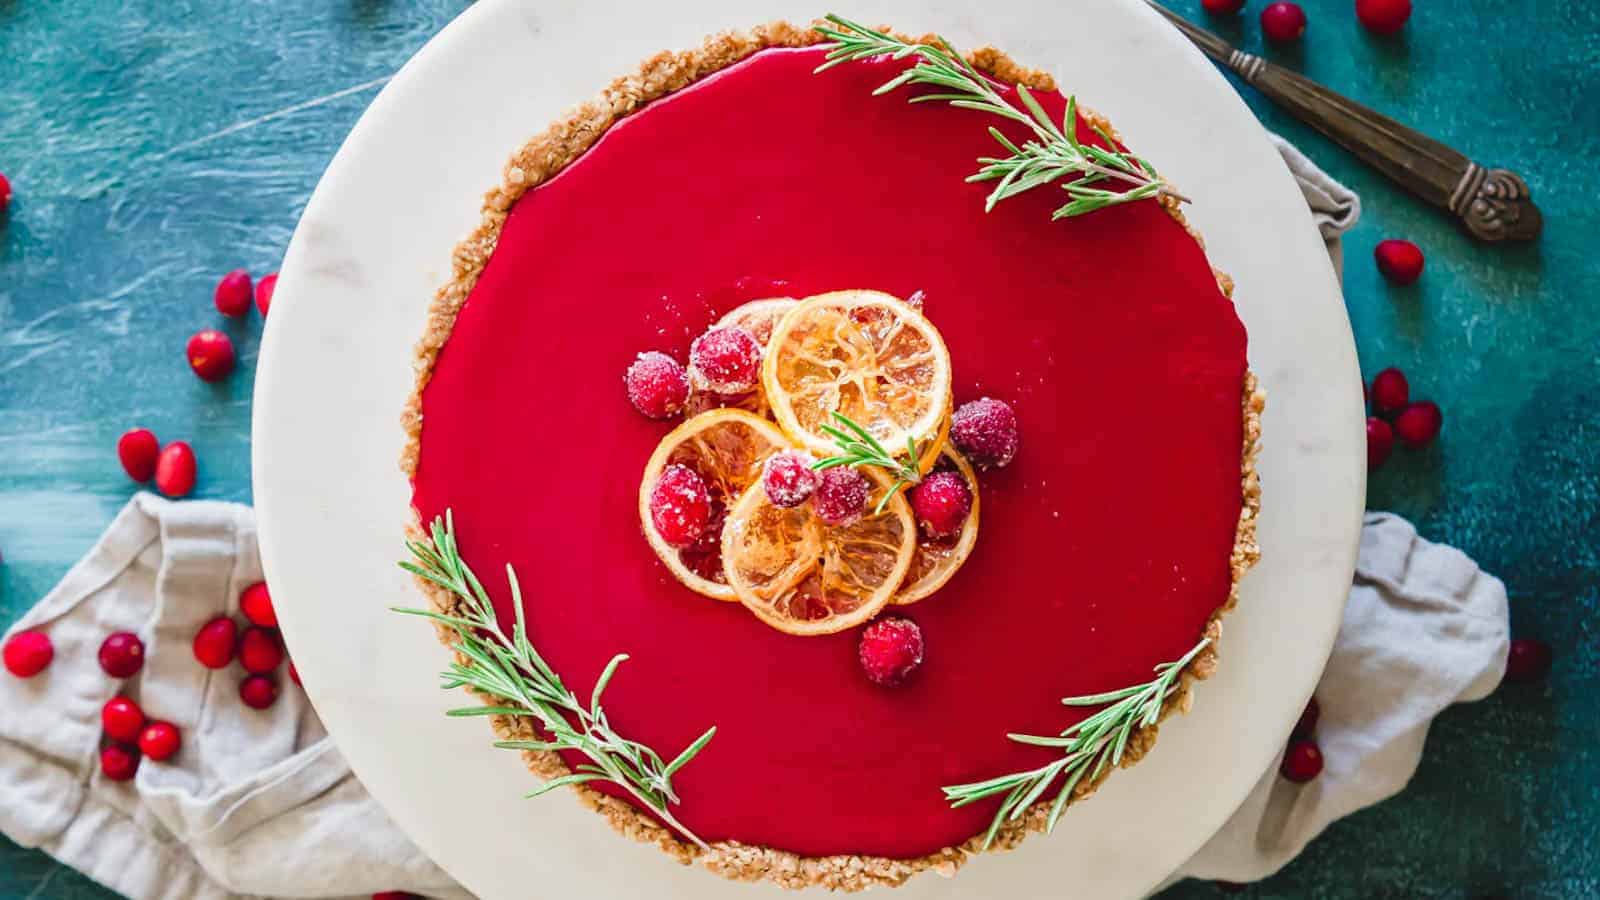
(154, 145)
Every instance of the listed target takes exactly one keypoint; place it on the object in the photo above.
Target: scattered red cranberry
(680, 506)
(122, 655)
(1380, 443)
(210, 354)
(175, 469)
(1307, 726)
(118, 763)
(1222, 7)
(260, 651)
(214, 643)
(789, 479)
(121, 719)
(1283, 22)
(159, 740)
(256, 604)
(233, 294)
(941, 503)
(1418, 424)
(136, 450)
(5, 194)
(1383, 16)
(1303, 762)
(891, 649)
(1528, 660)
(294, 674)
(841, 494)
(258, 691)
(28, 653)
(985, 431)
(1399, 261)
(264, 291)
(1390, 391)
(657, 385)
(726, 360)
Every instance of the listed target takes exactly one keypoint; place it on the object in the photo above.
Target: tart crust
(540, 159)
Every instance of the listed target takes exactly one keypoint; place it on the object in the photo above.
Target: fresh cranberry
(1383, 16)
(985, 431)
(395, 895)
(118, 763)
(941, 503)
(1390, 391)
(5, 194)
(1418, 424)
(1528, 660)
(214, 643)
(233, 294)
(891, 649)
(1399, 261)
(1307, 726)
(657, 385)
(294, 674)
(1380, 443)
(159, 740)
(175, 469)
(210, 354)
(680, 506)
(1222, 7)
(726, 360)
(840, 496)
(1303, 762)
(28, 653)
(256, 604)
(260, 651)
(258, 691)
(136, 450)
(1283, 22)
(789, 479)
(121, 719)
(122, 655)
(264, 291)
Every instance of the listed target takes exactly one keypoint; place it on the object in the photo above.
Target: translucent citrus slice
(756, 317)
(931, 450)
(865, 354)
(937, 559)
(726, 447)
(803, 577)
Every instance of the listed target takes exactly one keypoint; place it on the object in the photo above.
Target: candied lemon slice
(726, 447)
(804, 577)
(937, 559)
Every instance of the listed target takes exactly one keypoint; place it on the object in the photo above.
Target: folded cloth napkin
(260, 803)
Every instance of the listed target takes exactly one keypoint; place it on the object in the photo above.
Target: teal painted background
(154, 145)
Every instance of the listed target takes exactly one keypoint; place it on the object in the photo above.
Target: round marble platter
(374, 244)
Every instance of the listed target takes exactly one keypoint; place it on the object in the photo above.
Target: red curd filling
(1104, 546)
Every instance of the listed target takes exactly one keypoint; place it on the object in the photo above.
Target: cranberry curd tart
(829, 487)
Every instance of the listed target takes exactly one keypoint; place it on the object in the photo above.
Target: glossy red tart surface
(1104, 547)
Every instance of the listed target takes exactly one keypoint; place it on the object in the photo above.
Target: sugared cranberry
(657, 385)
(1383, 16)
(1380, 443)
(258, 691)
(726, 360)
(294, 674)
(1390, 391)
(1528, 660)
(680, 506)
(1399, 261)
(1418, 424)
(985, 431)
(118, 763)
(175, 469)
(264, 291)
(136, 450)
(28, 653)
(121, 719)
(840, 496)
(941, 503)
(1283, 22)
(5, 194)
(260, 651)
(210, 354)
(159, 740)
(1303, 762)
(1307, 726)
(789, 479)
(256, 604)
(122, 655)
(1222, 7)
(214, 643)
(891, 649)
(233, 293)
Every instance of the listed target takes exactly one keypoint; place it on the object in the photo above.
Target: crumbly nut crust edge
(538, 161)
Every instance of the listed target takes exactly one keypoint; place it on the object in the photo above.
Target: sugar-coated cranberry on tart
(844, 324)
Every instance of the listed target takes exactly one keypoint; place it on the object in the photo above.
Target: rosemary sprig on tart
(509, 667)
(1056, 153)
(1089, 748)
(857, 447)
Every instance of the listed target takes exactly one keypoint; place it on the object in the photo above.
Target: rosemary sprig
(857, 447)
(1055, 154)
(1088, 748)
(510, 667)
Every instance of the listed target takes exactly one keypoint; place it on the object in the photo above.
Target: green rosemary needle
(509, 667)
(857, 447)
